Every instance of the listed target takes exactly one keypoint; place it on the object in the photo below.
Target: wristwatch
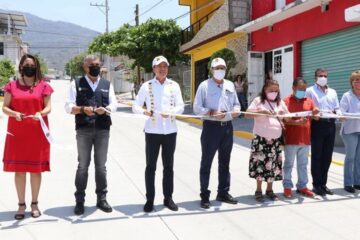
(82, 109)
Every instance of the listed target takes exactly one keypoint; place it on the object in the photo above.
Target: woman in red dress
(26, 147)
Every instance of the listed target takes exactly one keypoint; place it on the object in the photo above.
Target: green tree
(43, 65)
(229, 57)
(73, 67)
(7, 70)
(142, 43)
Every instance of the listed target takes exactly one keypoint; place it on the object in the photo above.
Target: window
(277, 61)
(1, 48)
(277, 64)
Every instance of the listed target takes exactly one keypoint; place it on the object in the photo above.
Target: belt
(329, 120)
(218, 123)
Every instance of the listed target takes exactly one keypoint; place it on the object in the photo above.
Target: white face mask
(322, 81)
(219, 74)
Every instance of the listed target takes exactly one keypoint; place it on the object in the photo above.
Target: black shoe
(205, 203)
(149, 206)
(327, 191)
(169, 203)
(349, 189)
(20, 216)
(79, 208)
(227, 198)
(104, 206)
(319, 191)
(357, 187)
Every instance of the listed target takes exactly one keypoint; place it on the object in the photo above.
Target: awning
(279, 15)
(352, 14)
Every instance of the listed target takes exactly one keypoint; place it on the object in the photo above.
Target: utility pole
(137, 24)
(106, 13)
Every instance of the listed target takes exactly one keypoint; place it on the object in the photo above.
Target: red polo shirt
(298, 134)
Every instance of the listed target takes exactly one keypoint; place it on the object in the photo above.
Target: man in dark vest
(91, 99)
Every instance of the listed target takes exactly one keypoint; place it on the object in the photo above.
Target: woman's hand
(264, 111)
(19, 116)
(37, 116)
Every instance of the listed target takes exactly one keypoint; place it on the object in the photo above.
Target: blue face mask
(300, 94)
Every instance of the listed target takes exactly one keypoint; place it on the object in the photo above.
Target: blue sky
(80, 12)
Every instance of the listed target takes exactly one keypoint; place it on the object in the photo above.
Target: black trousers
(215, 137)
(153, 143)
(322, 146)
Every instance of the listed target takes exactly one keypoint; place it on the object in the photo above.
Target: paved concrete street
(331, 217)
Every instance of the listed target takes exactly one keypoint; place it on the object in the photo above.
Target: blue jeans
(352, 159)
(301, 152)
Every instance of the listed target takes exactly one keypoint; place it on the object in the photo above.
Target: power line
(196, 9)
(151, 8)
(54, 33)
(146, 11)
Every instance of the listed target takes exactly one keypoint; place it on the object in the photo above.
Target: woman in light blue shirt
(350, 132)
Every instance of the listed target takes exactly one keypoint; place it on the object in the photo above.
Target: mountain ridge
(55, 41)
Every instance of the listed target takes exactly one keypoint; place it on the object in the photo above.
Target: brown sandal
(20, 216)
(272, 195)
(35, 213)
(259, 196)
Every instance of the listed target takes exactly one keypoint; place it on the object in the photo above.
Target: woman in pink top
(265, 158)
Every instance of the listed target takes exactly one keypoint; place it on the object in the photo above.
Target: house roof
(17, 22)
(290, 10)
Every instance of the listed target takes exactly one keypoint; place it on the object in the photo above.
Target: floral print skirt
(265, 159)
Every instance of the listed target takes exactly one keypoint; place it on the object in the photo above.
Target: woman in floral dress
(266, 159)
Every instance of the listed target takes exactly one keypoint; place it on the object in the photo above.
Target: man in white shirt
(217, 101)
(163, 101)
(91, 99)
(323, 131)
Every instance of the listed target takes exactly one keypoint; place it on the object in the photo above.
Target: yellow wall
(208, 6)
(206, 50)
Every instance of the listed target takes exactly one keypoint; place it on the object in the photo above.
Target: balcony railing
(188, 33)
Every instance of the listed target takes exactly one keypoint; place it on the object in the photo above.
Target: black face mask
(94, 71)
(29, 71)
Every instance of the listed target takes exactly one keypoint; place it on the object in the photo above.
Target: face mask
(94, 71)
(219, 74)
(271, 95)
(300, 94)
(29, 71)
(322, 81)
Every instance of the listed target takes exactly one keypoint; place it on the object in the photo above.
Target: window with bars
(277, 64)
(1, 48)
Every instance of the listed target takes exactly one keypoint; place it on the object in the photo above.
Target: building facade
(290, 38)
(11, 45)
(212, 29)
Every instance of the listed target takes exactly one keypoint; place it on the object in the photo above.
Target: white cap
(218, 62)
(159, 59)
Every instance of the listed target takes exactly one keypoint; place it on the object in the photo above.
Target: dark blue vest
(86, 97)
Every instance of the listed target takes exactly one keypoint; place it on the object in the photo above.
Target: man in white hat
(216, 99)
(163, 100)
